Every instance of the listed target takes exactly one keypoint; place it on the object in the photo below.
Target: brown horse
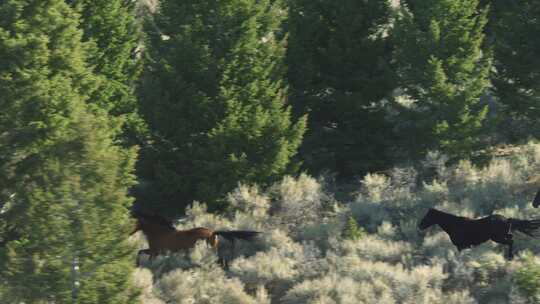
(162, 236)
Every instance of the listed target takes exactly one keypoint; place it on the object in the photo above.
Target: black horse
(536, 200)
(466, 232)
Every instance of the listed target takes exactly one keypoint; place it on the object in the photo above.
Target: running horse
(162, 236)
(465, 232)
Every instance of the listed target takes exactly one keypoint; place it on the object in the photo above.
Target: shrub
(204, 285)
(527, 279)
(314, 250)
(299, 202)
(143, 279)
(351, 230)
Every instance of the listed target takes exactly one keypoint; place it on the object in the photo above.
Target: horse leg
(152, 255)
(142, 251)
(222, 254)
(510, 242)
(222, 258)
(510, 251)
(224, 263)
(506, 240)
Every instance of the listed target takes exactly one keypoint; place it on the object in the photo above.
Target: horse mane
(155, 219)
(447, 214)
(446, 219)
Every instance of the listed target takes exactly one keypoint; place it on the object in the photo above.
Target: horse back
(200, 232)
(179, 239)
(470, 232)
(480, 230)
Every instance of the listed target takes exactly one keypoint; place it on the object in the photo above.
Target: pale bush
(493, 190)
(284, 262)
(354, 280)
(279, 239)
(375, 187)
(201, 255)
(435, 165)
(458, 297)
(527, 279)
(197, 216)
(248, 201)
(420, 284)
(335, 289)
(434, 192)
(487, 269)
(486, 274)
(204, 285)
(302, 258)
(387, 231)
(138, 241)
(408, 230)
(437, 244)
(299, 202)
(143, 280)
(373, 248)
(320, 233)
(273, 269)
(150, 5)
(386, 198)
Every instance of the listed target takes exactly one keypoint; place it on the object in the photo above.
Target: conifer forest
(327, 151)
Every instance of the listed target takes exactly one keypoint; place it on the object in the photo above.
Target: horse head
(428, 220)
(147, 219)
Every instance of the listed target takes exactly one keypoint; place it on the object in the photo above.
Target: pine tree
(214, 99)
(113, 31)
(63, 182)
(351, 231)
(443, 67)
(338, 59)
(514, 29)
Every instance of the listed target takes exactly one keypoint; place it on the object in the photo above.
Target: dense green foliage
(444, 69)
(114, 35)
(338, 60)
(527, 280)
(213, 96)
(64, 181)
(387, 105)
(514, 30)
(351, 230)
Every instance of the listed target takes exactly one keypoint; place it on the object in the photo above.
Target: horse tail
(536, 200)
(246, 235)
(529, 227)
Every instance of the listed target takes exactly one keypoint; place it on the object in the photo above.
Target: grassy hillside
(303, 257)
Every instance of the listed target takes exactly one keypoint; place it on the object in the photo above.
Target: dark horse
(465, 232)
(536, 201)
(162, 236)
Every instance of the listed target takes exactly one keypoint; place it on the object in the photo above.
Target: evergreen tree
(214, 98)
(443, 68)
(63, 182)
(114, 34)
(514, 29)
(351, 231)
(338, 72)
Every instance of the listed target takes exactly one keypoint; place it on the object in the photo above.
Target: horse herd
(464, 232)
